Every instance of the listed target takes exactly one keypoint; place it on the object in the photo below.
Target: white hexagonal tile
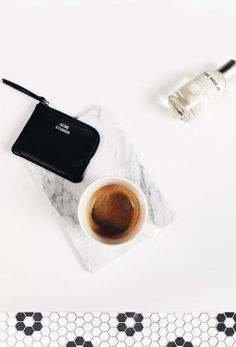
(88, 336)
(104, 336)
(121, 336)
(171, 318)
(62, 341)
(212, 322)
(230, 341)
(146, 322)
(163, 323)
(188, 327)
(188, 317)
(179, 331)
(104, 317)
(213, 341)
(196, 332)
(154, 336)
(62, 331)
(179, 322)
(96, 341)
(113, 322)
(105, 326)
(54, 317)
(204, 317)
(138, 336)
(3, 316)
(96, 322)
(196, 322)
(53, 335)
(129, 341)
(163, 341)
(212, 331)
(179, 314)
(121, 344)
(3, 335)
(196, 341)
(79, 331)
(71, 317)
(11, 331)
(188, 336)
(37, 335)
(205, 344)
(113, 341)
(45, 340)
(147, 331)
(97, 331)
(204, 336)
(204, 327)
(146, 341)
(155, 317)
(11, 341)
(221, 336)
(88, 317)
(28, 340)
(54, 326)
(62, 321)
(171, 327)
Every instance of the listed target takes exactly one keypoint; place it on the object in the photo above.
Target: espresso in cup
(112, 210)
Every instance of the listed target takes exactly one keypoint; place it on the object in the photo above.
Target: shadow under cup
(112, 210)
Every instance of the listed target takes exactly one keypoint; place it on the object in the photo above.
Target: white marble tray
(115, 157)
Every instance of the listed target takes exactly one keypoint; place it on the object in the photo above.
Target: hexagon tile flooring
(121, 329)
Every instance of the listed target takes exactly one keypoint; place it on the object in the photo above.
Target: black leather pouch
(56, 141)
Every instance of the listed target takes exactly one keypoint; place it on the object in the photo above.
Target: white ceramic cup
(85, 199)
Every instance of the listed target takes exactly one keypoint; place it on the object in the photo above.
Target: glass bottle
(200, 92)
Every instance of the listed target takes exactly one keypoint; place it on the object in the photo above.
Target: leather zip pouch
(56, 141)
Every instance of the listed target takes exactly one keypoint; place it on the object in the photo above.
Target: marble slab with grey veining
(115, 157)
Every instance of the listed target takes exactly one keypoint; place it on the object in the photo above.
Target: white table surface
(122, 54)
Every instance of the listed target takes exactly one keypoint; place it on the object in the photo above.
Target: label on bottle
(207, 87)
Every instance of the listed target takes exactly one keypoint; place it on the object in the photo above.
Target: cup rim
(90, 189)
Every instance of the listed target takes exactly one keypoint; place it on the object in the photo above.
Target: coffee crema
(114, 211)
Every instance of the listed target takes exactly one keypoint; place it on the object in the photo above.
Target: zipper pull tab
(25, 91)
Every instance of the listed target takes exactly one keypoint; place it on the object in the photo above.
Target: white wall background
(122, 54)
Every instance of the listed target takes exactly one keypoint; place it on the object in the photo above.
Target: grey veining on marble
(115, 157)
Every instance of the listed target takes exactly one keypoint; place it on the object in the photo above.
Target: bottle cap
(228, 69)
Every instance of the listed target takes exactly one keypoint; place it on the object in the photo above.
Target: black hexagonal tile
(29, 314)
(229, 314)
(79, 341)
(37, 316)
(121, 326)
(71, 344)
(179, 341)
(20, 326)
(229, 331)
(171, 344)
(221, 327)
(138, 317)
(130, 331)
(121, 317)
(37, 326)
(20, 316)
(130, 314)
(188, 344)
(88, 344)
(138, 327)
(28, 331)
(221, 317)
